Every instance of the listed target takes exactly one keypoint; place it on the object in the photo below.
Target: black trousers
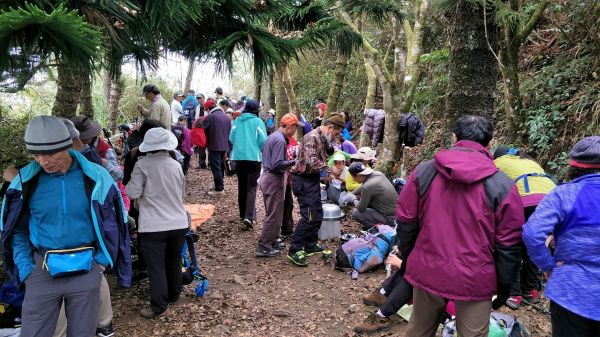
(307, 190)
(287, 225)
(527, 279)
(217, 167)
(162, 253)
(398, 293)
(568, 324)
(186, 162)
(201, 151)
(248, 173)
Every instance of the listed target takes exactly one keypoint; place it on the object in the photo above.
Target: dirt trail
(259, 297)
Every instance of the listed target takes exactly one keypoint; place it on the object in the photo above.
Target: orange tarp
(200, 213)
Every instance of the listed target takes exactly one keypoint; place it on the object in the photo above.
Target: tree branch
(533, 20)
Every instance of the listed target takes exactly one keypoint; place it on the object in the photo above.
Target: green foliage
(431, 89)
(559, 165)
(12, 146)
(377, 11)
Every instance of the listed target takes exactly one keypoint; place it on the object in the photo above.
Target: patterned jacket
(312, 154)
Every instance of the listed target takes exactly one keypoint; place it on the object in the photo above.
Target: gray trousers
(272, 188)
(45, 295)
(370, 217)
(105, 315)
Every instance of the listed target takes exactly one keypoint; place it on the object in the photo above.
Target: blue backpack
(189, 110)
(368, 252)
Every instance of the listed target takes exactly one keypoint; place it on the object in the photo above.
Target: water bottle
(388, 270)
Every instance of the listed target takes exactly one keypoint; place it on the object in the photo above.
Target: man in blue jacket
(63, 223)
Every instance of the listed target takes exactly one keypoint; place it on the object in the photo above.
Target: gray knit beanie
(47, 135)
(73, 132)
(586, 153)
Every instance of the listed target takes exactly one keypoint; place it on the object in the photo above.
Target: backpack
(189, 110)
(501, 325)
(411, 130)
(368, 252)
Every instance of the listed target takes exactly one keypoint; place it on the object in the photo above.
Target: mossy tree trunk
(335, 91)
(286, 81)
(113, 103)
(369, 99)
(282, 104)
(68, 92)
(86, 107)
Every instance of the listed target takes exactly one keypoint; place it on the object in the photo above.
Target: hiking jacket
(373, 125)
(275, 156)
(192, 101)
(198, 134)
(217, 127)
(107, 210)
(411, 129)
(312, 154)
(159, 110)
(459, 220)
(529, 176)
(378, 193)
(247, 136)
(572, 213)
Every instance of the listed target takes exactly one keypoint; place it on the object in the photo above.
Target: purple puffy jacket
(373, 125)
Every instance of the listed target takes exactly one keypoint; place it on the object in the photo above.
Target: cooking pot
(332, 212)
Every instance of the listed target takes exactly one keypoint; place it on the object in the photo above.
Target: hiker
(571, 212)
(184, 141)
(459, 206)
(176, 107)
(321, 108)
(200, 109)
(393, 294)
(247, 136)
(159, 109)
(373, 126)
(51, 210)
(287, 224)
(342, 144)
(219, 93)
(270, 122)
(158, 184)
(89, 153)
(133, 155)
(217, 127)
(533, 185)
(310, 169)
(199, 141)
(339, 170)
(377, 202)
(190, 105)
(272, 185)
(364, 155)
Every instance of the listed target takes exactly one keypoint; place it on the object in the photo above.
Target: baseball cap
(357, 168)
(290, 119)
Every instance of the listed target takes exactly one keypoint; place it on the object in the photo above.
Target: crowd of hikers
(471, 224)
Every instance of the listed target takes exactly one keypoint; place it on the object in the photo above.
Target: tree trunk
(286, 81)
(86, 106)
(336, 87)
(68, 92)
(473, 68)
(107, 81)
(113, 105)
(283, 106)
(271, 92)
(188, 77)
(370, 98)
(257, 88)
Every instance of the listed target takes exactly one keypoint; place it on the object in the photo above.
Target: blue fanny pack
(68, 262)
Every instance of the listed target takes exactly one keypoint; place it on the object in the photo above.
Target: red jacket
(456, 216)
(198, 135)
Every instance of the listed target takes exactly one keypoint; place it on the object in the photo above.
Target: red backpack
(198, 135)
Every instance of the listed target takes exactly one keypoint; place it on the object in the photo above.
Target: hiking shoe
(310, 251)
(298, 258)
(279, 245)
(373, 323)
(261, 252)
(107, 331)
(149, 314)
(374, 299)
(216, 193)
(514, 302)
(532, 297)
(248, 224)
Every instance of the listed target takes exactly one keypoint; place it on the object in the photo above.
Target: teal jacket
(247, 136)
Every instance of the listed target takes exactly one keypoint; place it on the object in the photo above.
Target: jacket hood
(246, 116)
(466, 162)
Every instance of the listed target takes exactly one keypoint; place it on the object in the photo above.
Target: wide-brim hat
(337, 120)
(364, 153)
(47, 135)
(157, 139)
(87, 127)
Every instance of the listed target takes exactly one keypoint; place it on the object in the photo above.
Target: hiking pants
(527, 279)
(472, 318)
(186, 162)
(287, 224)
(201, 151)
(162, 253)
(566, 323)
(248, 173)
(371, 216)
(217, 162)
(105, 314)
(307, 190)
(271, 186)
(45, 295)
(397, 291)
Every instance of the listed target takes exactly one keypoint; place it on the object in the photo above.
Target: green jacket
(247, 136)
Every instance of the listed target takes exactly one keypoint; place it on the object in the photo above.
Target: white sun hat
(158, 139)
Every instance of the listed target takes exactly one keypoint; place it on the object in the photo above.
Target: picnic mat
(200, 213)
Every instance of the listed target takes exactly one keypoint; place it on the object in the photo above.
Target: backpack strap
(526, 181)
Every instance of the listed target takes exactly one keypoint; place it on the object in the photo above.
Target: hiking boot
(514, 302)
(149, 314)
(298, 258)
(216, 193)
(248, 224)
(373, 323)
(279, 245)
(374, 299)
(107, 331)
(310, 251)
(532, 297)
(261, 252)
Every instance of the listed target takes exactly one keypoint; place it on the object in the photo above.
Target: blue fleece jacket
(572, 213)
(248, 134)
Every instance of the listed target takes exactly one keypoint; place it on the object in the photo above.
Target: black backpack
(189, 110)
(411, 130)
